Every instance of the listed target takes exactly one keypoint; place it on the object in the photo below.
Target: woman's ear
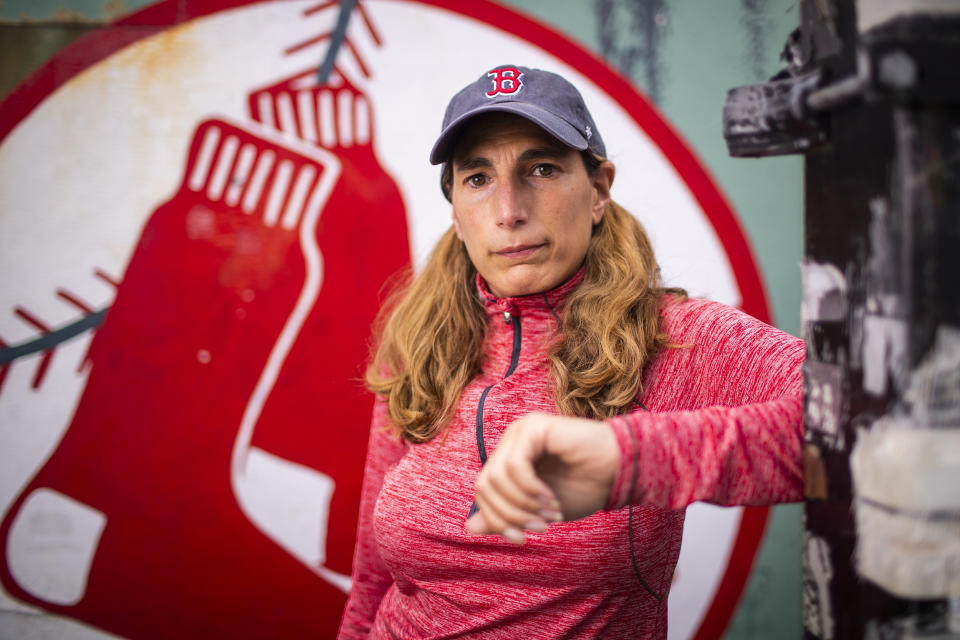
(602, 180)
(456, 224)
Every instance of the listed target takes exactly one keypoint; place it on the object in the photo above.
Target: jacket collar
(547, 300)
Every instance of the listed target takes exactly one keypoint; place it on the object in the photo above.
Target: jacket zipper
(513, 320)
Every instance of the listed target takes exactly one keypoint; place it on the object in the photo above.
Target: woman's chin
(525, 285)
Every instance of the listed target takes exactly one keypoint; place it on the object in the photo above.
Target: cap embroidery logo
(506, 80)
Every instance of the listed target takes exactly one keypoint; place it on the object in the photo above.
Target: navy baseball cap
(544, 98)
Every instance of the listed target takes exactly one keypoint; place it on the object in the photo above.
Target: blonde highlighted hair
(431, 332)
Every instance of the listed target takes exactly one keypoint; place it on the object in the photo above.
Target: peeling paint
(905, 471)
(113, 9)
(885, 330)
(884, 353)
(631, 37)
(824, 293)
(910, 553)
(824, 401)
(817, 575)
(885, 273)
(933, 393)
(71, 12)
(65, 14)
(754, 19)
(937, 621)
(901, 464)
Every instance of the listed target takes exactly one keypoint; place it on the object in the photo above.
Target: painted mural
(193, 258)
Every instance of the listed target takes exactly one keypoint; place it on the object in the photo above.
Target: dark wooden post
(873, 101)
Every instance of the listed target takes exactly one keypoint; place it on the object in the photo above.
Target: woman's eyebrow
(540, 153)
(547, 152)
(473, 162)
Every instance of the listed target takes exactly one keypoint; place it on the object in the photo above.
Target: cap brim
(554, 125)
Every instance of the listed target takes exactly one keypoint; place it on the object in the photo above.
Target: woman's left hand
(545, 469)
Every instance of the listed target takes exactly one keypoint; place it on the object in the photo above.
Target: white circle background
(80, 175)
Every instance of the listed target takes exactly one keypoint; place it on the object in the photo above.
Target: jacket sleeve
(370, 579)
(736, 435)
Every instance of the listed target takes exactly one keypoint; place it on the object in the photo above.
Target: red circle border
(97, 45)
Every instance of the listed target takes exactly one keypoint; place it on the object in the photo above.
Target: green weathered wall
(684, 54)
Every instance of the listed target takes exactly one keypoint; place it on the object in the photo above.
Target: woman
(539, 333)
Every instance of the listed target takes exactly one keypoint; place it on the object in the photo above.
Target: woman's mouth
(519, 251)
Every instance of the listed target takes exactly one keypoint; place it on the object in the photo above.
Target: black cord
(633, 553)
(547, 302)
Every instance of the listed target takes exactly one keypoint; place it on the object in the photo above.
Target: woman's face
(524, 204)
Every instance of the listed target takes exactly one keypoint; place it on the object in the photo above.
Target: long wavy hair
(431, 331)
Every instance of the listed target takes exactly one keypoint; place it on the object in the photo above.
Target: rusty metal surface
(32, 31)
(23, 49)
(45, 12)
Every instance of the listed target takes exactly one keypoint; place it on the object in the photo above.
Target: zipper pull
(506, 317)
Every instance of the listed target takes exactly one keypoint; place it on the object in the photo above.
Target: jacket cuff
(625, 479)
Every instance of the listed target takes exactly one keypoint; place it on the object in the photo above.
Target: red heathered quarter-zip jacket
(724, 425)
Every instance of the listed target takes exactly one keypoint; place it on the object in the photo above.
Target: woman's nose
(511, 208)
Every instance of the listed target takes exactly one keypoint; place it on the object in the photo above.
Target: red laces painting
(194, 252)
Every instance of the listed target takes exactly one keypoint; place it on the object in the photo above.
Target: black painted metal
(881, 271)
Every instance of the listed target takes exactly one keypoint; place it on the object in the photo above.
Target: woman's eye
(543, 170)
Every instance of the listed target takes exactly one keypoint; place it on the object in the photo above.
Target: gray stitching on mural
(336, 40)
(52, 339)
